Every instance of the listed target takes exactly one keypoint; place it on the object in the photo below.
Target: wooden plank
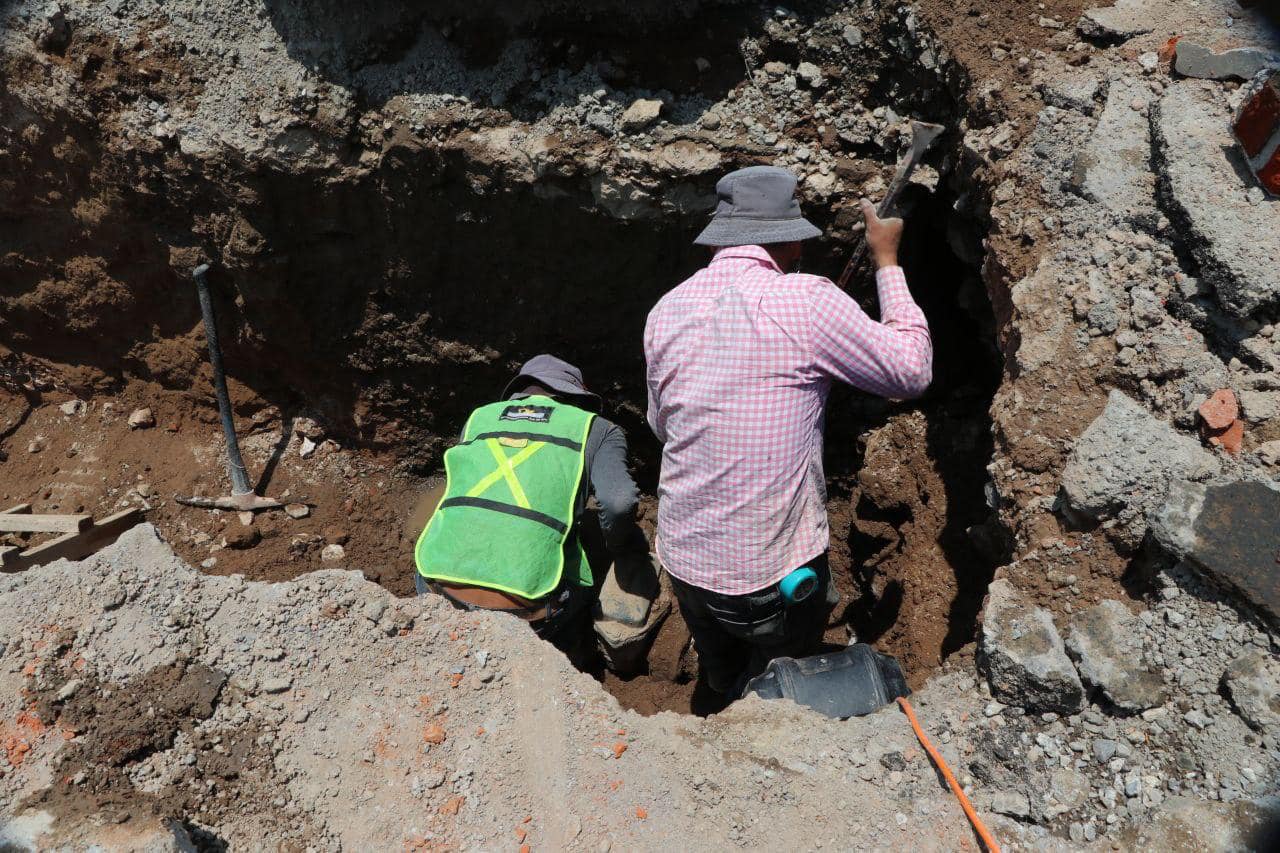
(20, 508)
(8, 554)
(25, 523)
(77, 546)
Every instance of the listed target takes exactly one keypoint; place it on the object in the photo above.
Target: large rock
(1231, 532)
(1206, 186)
(1116, 163)
(1122, 464)
(1023, 656)
(1253, 684)
(1106, 644)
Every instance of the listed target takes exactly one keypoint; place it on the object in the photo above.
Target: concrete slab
(1206, 187)
(1117, 161)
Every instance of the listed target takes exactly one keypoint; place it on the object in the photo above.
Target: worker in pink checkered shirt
(740, 359)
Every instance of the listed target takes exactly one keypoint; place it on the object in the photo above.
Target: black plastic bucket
(848, 683)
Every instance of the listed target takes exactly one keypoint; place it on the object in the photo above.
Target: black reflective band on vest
(531, 436)
(509, 509)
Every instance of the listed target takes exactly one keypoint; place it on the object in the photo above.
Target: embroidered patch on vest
(529, 414)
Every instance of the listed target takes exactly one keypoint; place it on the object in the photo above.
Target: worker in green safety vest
(506, 532)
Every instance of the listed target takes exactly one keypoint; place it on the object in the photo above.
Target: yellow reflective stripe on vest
(506, 470)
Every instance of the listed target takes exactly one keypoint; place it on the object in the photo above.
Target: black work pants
(737, 635)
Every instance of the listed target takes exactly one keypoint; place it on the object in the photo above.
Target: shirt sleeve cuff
(891, 283)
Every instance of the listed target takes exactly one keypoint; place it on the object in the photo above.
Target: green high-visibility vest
(506, 520)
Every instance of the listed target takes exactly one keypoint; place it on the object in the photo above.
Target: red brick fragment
(1258, 120)
(1220, 410)
(1231, 439)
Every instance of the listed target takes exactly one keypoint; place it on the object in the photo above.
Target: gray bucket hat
(757, 206)
(556, 375)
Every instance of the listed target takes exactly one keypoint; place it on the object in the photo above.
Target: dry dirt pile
(144, 702)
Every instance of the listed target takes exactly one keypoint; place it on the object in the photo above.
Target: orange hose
(979, 827)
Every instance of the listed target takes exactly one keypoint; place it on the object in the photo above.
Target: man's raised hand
(883, 236)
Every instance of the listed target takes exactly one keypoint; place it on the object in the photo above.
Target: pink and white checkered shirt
(740, 360)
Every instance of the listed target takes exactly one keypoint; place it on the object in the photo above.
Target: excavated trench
(384, 303)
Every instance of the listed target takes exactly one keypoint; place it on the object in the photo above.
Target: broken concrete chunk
(1201, 187)
(1121, 22)
(1010, 803)
(1121, 466)
(642, 113)
(1105, 642)
(1242, 63)
(1117, 160)
(1252, 682)
(1074, 89)
(810, 74)
(1229, 532)
(141, 419)
(1023, 657)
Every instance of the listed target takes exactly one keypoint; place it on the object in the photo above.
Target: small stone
(1011, 803)
(1103, 750)
(1196, 718)
(72, 407)
(37, 444)
(141, 419)
(297, 510)
(277, 684)
(1252, 682)
(243, 538)
(209, 563)
(111, 595)
(992, 709)
(68, 690)
(852, 36)
(332, 553)
(810, 74)
(307, 449)
(642, 113)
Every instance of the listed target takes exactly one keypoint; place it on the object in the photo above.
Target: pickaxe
(923, 136)
(242, 497)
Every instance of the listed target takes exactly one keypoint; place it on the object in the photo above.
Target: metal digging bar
(923, 135)
(242, 497)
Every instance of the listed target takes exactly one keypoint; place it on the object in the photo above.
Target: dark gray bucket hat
(757, 206)
(556, 375)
